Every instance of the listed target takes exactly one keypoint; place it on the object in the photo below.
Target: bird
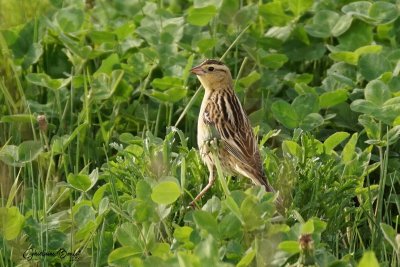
(223, 128)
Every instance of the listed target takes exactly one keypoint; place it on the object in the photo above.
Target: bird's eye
(210, 68)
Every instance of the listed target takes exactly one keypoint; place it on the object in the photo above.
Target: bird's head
(213, 74)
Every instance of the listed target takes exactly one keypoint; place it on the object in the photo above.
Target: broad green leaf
(70, 19)
(303, 105)
(201, 16)
(122, 255)
(332, 98)
(246, 15)
(292, 148)
(81, 182)
(109, 64)
(251, 213)
(128, 234)
(371, 66)
(182, 233)
(274, 14)
(143, 190)
(166, 192)
(29, 151)
(228, 10)
(285, 114)
(167, 82)
(368, 260)
(323, 23)
(308, 227)
(377, 92)
(383, 12)
(274, 61)
(230, 226)
(250, 79)
(206, 221)
(311, 121)
(34, 53)
(11, 222)
(334, 140)
(42, 79)
(298, 7)
(342, 25)
(358, 9)
(371, 126)
(392, 136)
(364, 106)
(368, 49)
(291, 247)
(345, 56)
(358, 35)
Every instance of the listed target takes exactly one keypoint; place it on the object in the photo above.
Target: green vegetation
(98, 111)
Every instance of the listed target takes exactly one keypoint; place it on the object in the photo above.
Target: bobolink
(223, 121)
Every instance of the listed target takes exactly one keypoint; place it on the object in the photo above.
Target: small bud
(306, 244)
(42, 121)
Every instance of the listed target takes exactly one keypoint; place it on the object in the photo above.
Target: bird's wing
(225, 115)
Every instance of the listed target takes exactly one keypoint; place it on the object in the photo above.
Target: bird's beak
(197, 70)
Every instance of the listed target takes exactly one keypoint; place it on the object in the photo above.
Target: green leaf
(383, 12)
(34, 53)
(167, 82)
(377, 92)
(201, 16)
(311, 121)
(81, 182)
(390, 235)
(303, 105)
(285, 114)
(345, 56)
(371, 126)
(392, 135)
(182, 233)
(349, 149)
(274, 61)
(298, 7)
(308, 227)
(246, 15)
(274, 14)
(143, 190)
(27, 118)
(323, 23)
(206, 221)
(251, 213)
(292, 148)
(334, 140)
(358, 35)
(128, 234)
(291, 247)
(166, 192)
(371, 66)
(42, 79)
(250, 79)
(247, 258)
(368, 260)
(342, 25)
(29, 151)
(121, 256)
(358, 9)
(109, 64)
(364, 106)
(11, 222)
(70, 19)
(332, 98)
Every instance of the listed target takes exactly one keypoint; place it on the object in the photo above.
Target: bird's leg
(211, 180)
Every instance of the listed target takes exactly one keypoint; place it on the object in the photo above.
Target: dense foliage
(98, 111)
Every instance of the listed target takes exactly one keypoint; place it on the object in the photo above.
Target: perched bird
(224, 125)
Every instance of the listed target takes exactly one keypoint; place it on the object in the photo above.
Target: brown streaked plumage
(223, 119)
